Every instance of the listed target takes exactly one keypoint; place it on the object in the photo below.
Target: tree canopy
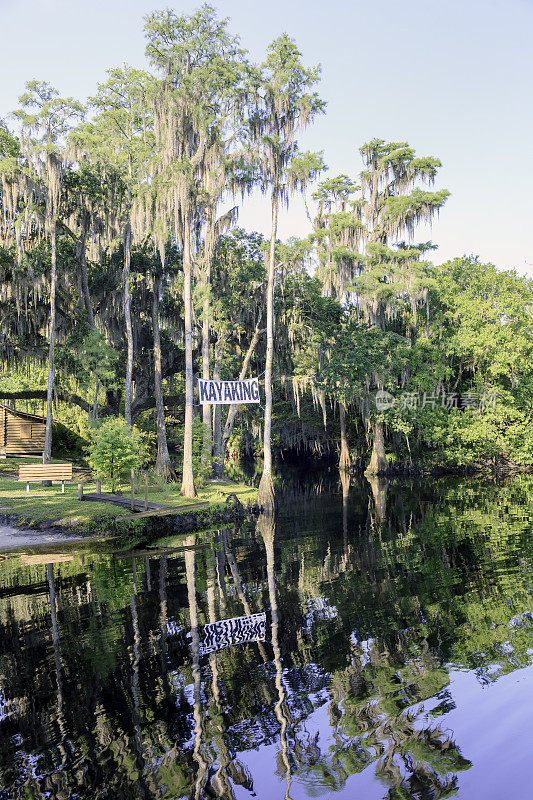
(123, 276)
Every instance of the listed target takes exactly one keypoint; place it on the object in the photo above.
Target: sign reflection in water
(374, 598)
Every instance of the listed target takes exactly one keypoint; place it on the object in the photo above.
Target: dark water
(396, 659)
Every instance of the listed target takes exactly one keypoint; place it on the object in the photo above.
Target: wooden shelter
(21, 434)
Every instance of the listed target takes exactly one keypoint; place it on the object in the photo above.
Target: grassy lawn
(48, 503)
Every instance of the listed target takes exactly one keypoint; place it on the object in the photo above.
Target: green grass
(48, 503)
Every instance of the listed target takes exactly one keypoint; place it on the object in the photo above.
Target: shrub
(115, 450)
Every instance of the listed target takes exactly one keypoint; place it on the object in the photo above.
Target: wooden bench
(34, 473)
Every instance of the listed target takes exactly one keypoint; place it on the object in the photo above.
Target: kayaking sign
(238, 630)
(228, 392)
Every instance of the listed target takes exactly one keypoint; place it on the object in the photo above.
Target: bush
(115, 450)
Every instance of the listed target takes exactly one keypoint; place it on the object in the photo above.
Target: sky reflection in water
(395, 628)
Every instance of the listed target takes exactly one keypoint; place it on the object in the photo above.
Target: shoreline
(47, 512)
(19, 531)
(419, 470)
(11, 539)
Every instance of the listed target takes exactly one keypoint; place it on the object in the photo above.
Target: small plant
(114, 451)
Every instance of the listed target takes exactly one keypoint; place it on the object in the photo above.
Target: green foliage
(86, 356)
(9, 148)
(238, 281)
(114, 451)
(356, 308)
(485, 323)
(200, 471)
(68, 444)
(431, 334)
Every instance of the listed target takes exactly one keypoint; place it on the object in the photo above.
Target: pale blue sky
(452, 78)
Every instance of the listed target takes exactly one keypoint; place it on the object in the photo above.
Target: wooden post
(80, 491)
(133, 489)
(28, 487)
(98, 487)
(62, 487)
(146, 490)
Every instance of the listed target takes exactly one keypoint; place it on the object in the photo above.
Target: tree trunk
(57, 657)
(209, 246)
(207, 443)
(198, 712)
(234, 409)
(163, 464)
(378, 460)
(129, 327)
(379, 488)
(345, 483)
(163, 631)
(265, 495)
(47, 455)
(217, 416)
(344, 460)
(266, 527)
(187, 482)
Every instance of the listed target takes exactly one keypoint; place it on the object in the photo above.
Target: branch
(40, 394)
(146, 403)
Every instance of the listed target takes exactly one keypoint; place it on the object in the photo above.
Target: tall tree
(45, 120)
(120, 137)
(222, 171)
(163, 464)
(338, 232)
(288, 106)
(238, 284)
(200, 65)
(365, 266)
(227, 168)
(393, 205)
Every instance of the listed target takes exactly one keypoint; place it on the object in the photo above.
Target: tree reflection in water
(106, 690)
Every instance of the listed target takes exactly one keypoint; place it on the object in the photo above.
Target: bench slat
(47, 472)
(45, 468)
(40, 465)
(37, 478)
(51, 471)
(45, 477)
(54, 474)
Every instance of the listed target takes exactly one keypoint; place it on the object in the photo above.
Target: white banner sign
(227, 392)
(238, 630)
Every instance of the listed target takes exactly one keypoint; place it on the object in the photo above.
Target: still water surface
(378, 644)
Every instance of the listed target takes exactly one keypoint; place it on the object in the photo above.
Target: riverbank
(45, 508)
(14, 538)
(421, 469)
